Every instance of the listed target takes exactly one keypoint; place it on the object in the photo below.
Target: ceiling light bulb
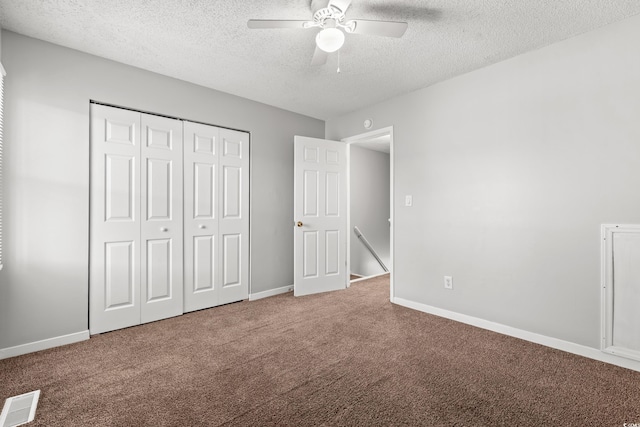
(330, 39)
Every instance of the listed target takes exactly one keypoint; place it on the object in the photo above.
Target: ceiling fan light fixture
(330, 39)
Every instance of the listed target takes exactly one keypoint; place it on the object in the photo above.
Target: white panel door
(115, 219)
(201, 253)
(621, 290)
(626, 291)
(161, 223)
(320, 215)
(233, 226)
(216, 225)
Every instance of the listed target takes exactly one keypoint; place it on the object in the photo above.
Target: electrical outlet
(448, 282)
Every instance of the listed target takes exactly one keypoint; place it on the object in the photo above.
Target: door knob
(299, 224)
(164, 229)
(202, 227)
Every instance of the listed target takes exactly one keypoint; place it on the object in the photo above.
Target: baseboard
(270, 293)
(558, 344)
(31, 347)
(361, 278)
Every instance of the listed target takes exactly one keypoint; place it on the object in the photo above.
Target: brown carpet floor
(348, 358)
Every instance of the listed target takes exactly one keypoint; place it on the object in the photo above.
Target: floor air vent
(19, 410)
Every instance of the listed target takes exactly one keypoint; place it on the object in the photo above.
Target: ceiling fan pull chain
(338, 70)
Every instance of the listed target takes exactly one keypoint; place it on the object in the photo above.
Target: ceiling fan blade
(319, 57)
(376, 28)
(342, 5)
(274, 23)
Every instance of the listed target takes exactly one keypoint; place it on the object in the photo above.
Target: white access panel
(161, 222)
(115, 219)
(621, 277)
(320, 215)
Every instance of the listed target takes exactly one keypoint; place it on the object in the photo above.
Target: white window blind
(2, 74)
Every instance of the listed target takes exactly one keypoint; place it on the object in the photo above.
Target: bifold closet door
(114, 262)
(136, 218)
(234, 215)
(161, 223)
(216, 224)
(161, 244)
(201, 252)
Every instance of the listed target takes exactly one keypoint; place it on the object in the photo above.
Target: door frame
(363, 137)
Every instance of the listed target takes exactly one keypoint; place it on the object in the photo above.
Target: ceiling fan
(333, 24)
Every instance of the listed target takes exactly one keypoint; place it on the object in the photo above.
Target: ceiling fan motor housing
(328, 16)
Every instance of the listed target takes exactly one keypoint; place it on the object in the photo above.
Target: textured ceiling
(207, 42)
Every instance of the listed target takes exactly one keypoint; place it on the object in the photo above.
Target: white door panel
(201, 269)
(320, 213)
(232, 260)
(621, 290)
(136, 218)
(204, 191)
(115, 219)
(204, 252)
(231, 185)
(234, 218)
(119, 188)
(310, 254)
(119, 274)
(311, 193)
(159, 270)
(161, 230)
(216, 216)
(332, 252)
(626, 295)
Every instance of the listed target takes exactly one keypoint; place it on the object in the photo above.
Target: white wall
(512, 169)
(44, 286)
(369, 208)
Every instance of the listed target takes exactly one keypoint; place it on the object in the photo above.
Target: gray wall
(44, 286)
(513, 168)
(369, 182)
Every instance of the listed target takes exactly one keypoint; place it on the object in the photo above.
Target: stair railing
(367, 245)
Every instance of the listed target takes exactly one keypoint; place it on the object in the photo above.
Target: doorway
(370, 204)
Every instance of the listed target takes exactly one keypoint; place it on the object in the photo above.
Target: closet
(169, 217)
